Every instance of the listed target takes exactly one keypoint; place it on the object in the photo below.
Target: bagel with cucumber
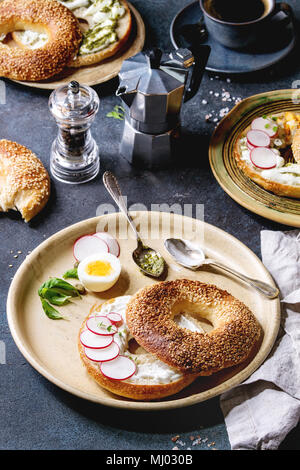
(268, 152)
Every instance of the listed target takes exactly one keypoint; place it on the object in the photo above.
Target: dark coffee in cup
(240, 24)
(236, 11)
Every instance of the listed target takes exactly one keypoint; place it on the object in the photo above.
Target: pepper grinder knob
(74, 153)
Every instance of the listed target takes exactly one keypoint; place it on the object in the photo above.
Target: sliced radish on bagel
(101, 325)
(121, 368)
(103, 355)
(263, 158)
(88, 245)
(91, 340)
(258, 138)
(265, 125)
(115, 318)
(113, 245)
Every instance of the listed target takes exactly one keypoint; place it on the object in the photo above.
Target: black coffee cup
(237, 24)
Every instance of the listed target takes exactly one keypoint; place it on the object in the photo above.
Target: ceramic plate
(241, 188)
(51, 346)
(224, 60)
(106, 70)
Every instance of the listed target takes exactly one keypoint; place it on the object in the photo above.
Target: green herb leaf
(267, 126)
(50, 311)
(71, 274)
(264, 116)
(275, 128)
(117, 113)
(63, 286)
(55, 297)
(109, 328)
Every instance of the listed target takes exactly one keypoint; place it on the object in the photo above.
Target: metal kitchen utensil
(74, 153)
(191, 256)
(152, 87)
(142, 255)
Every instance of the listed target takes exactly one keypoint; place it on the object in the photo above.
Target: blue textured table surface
(35, 414)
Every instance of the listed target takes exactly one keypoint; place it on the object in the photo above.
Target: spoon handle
(112, 186)
(260, 286)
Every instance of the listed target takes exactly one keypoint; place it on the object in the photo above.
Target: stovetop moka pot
(153, 87)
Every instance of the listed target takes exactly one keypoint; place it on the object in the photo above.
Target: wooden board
(224, 166)
(106, 70)
(51, 346)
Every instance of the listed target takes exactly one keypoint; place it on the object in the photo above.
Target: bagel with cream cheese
(110, 29)
(153, 379)
(283, 178)
(150, 316)
(41, 16)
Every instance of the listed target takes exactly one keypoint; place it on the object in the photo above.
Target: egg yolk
(99, 268)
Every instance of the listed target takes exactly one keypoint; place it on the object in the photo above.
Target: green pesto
(152, 263)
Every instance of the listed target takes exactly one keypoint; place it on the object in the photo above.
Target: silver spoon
(144, 256)
(192, 256)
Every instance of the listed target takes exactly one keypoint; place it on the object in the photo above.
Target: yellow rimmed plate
(51, 346)
(223, 164)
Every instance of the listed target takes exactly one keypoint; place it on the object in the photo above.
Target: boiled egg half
(99, 272)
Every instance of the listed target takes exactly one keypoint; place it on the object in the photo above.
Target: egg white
(99, 283)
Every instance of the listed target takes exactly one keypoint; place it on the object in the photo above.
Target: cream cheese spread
(32, 39)
(101, 16)
(283, 173)
(150, 370)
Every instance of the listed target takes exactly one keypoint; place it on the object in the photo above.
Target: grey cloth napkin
(260, 412)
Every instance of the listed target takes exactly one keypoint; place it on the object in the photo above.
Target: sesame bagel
(42, 16)
(25, 183)
(152, 380)
(150, 318)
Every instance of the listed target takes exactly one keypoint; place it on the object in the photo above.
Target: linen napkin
(261, 411)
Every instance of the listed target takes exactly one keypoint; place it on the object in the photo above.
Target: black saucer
(187, 25)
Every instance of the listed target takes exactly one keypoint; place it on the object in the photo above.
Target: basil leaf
(71, 274)
(63, 286)
(50, 311)
(55, 297)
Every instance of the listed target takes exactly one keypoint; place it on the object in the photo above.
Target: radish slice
(103, 355)
(265, 125)
(115, 318)
(263, 158)
(121, 368)
(113, 245)
(91, 340)
(88, 245)
(250, 147)
(101, 325)
(258, 139)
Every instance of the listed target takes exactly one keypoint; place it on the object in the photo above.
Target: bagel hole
(203, 324)
(135, 348)
(12, 42)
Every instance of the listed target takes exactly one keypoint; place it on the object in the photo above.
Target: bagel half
(123, 32)
(150, 317)
(24, 182)
(259, 176)
(142, 388)
(40, 16)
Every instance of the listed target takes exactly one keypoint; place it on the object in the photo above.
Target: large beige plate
(231, 178)
(106, 70)
(51, 346)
